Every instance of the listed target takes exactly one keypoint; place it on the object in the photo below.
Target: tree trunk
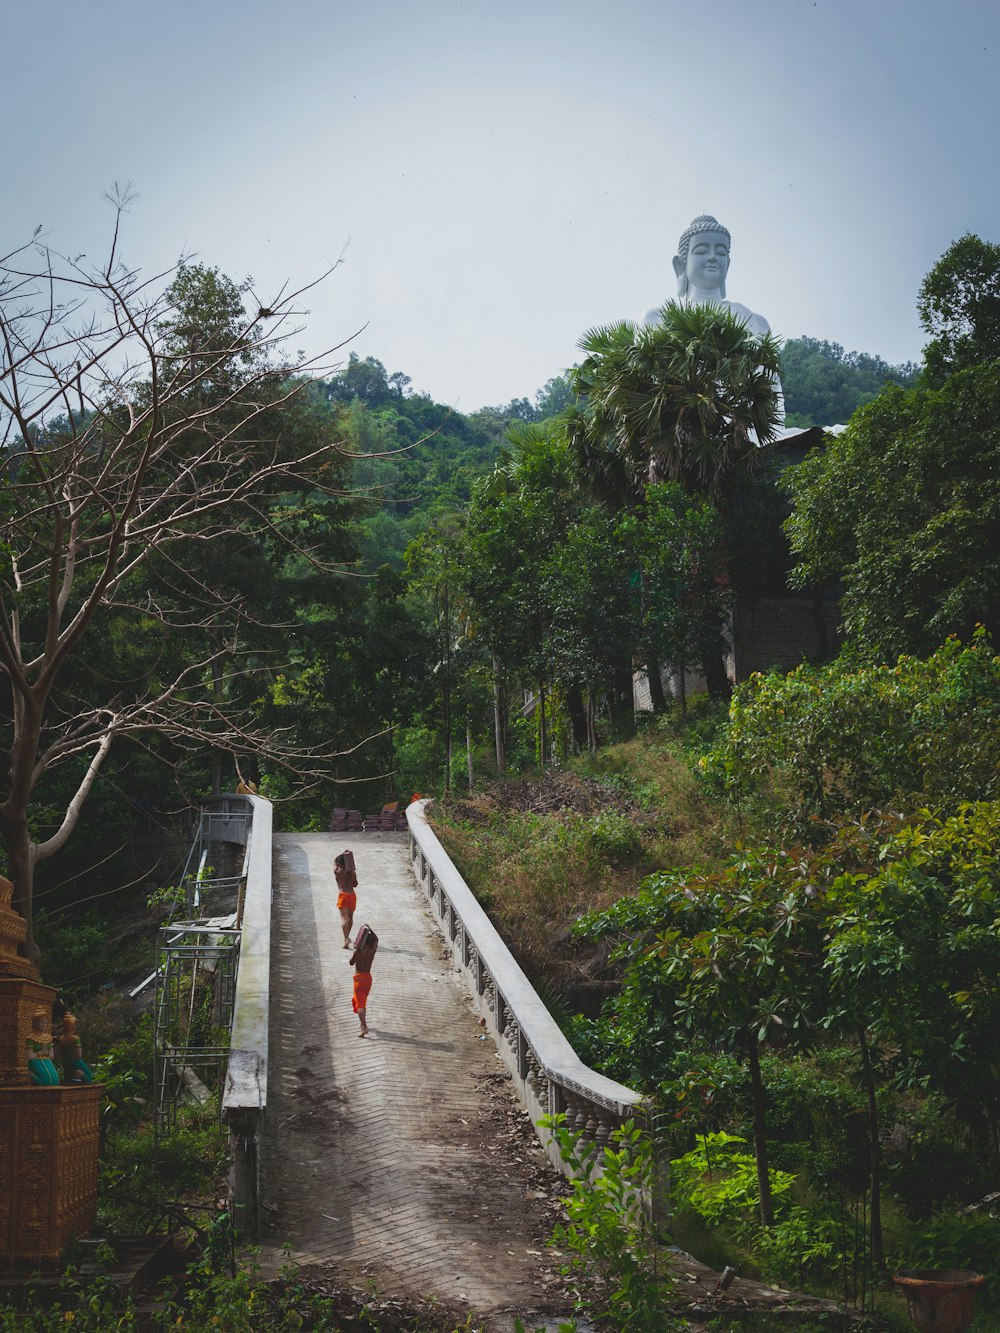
(760, 1133)
(577, 708)
(591, 723)
(446, 699)
(621, 694)
(499, 718)
(21, 850)
(217, 695)
(656, 695)
(542, 734)
(468, 751)
(682, 688)
(868, 1079)
(716, 677)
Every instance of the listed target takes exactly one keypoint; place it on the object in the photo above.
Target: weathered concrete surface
(386, 1157)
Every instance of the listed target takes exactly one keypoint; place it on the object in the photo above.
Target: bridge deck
(382, 1156)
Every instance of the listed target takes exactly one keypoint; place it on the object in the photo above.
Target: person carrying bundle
(347, 900)
(365, 947)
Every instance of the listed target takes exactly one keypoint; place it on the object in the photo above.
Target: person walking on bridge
(347, 900)
(361, 960)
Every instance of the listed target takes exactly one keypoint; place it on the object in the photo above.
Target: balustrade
(548, 1074)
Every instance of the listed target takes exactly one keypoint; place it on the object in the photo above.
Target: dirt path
(401, 1160)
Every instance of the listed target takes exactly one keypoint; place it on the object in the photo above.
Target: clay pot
(940, 1300)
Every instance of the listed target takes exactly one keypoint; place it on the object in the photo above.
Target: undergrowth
(537, 863)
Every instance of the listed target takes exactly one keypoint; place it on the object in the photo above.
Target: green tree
(912, 957)
(555, 396)
(690, 399)
(593, 606)
(904, 508)
(959, 306)
(732, 959)
(519, 514)
(685, 595)
(434, 563)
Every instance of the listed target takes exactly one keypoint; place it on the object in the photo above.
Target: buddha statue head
(702, 260)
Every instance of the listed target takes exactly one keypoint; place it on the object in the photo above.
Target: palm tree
(691, 399)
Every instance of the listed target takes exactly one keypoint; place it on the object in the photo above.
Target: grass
(541, 850)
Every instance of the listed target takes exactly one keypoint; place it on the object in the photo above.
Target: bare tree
(129, 444)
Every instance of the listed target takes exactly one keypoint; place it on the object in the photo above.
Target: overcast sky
(500, 177)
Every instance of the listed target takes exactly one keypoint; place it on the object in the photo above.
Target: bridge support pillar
(244, 1173)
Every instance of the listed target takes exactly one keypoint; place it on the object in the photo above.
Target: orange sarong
(362, 985)
(348, 900)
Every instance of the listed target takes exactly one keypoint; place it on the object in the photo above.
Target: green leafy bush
(840, 739)
(615, 837)
(718, 1180)
(609, 1232)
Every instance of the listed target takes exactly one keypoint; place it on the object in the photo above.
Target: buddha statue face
(702, 261)
(708, 261)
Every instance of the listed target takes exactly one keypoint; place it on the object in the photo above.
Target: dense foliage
(904, 508)
(688, 399)
(886, 938)
(845, 738)
(824, 385)
(959, 306)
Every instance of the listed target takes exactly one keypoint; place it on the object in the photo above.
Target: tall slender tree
(692, 400)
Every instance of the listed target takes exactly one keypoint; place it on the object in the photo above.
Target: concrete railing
(548, 1074)
(245, 1095)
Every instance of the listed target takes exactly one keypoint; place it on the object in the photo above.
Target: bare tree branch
(131, 441)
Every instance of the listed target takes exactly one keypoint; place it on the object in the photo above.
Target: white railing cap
(553, 1052)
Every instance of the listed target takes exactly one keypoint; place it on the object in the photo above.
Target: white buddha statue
(701, 265)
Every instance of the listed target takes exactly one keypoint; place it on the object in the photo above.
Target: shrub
(615, 837)
(609, 1231)
(840, 739)
(718, 1181)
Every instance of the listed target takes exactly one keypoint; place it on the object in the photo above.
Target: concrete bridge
(408, 1159)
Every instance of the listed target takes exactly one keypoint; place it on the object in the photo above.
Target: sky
(497, 178)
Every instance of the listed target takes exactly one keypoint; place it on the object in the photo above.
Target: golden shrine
(49, 1134)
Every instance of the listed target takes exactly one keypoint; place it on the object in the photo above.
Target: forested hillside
(421, 457)
(824, 385)
(431, 454)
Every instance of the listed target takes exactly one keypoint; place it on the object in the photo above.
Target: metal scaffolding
(196, 969)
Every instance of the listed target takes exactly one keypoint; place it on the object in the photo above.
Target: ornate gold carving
(13, 931)
(49, 1136)
(49, 1139)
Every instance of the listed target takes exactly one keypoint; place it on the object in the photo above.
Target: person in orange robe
(365, 947)
(347, 899)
